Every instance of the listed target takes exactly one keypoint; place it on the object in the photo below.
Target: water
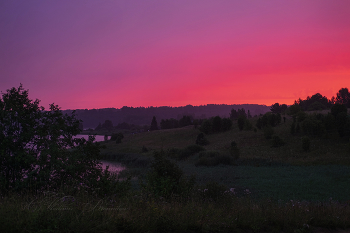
(98, 138)
(114, 167)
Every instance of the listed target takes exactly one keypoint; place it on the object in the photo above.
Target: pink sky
(97, 54)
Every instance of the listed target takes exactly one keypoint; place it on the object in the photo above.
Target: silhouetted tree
(317, 101)
(233, 114)
(38, 150)
(206, 127)
(338, 108)
(343, 97)
(276, 108)
(201, 140)
(107, 125)
(226, 124)
(216, 124)
(185, 121)
(241, 122)
(248, 114)
(98, 127)
(154, 124)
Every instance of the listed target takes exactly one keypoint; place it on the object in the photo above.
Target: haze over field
(99, 54)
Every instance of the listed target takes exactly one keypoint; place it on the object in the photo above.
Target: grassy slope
(279, 173)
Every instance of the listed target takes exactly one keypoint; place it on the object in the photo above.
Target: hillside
(283, 172)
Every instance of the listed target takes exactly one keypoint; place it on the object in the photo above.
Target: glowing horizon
(93, 54)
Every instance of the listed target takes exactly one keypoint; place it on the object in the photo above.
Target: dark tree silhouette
(38, 150)
(107, 125)
(154, 124)
(277, 108)
(343, 97)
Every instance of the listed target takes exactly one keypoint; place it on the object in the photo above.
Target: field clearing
(285, 172)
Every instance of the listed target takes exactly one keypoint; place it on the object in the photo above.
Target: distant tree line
(215, 125)
(315, 102)
(317, 124)
(173, 123)
(143, 115)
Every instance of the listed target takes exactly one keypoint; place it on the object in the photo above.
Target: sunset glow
(99, 54)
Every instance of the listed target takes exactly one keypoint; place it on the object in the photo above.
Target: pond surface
(98, 138)
(114, 167)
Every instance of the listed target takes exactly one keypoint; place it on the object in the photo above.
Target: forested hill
(143, 116)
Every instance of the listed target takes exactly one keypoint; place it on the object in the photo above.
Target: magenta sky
(110, 53)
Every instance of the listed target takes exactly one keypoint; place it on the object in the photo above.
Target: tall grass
(268, 189)
(138, 212)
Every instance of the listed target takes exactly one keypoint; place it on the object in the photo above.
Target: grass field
(286, 172)
(267, 189)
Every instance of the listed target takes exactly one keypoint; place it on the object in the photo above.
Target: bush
(226, 124)
(292, 129)
(268, 119)
(241, 121)
(234, 151)
(301, 116)
(306, 143)
(206, 127)
(342, 122)
(188, 151)
(201, 140)
(312, 126)
(216, 125)
(144, 149)
(268, 132)
(277, 141)
(166, 179)
(117, 137)
(338, 108)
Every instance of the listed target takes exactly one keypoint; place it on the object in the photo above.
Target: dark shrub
(277, 141)
(194, 149)
(226, 124)
(115, 136)
(206, 127)
(166, 178)
(341, 121)
(216, 124)
(241, 122)
(248, 125)
(316, 106)
(306, 143)
(268, 132)
(144, 149)
(329, 121)
(301, 116)
(312, 126)
(188, 151)
(338, 108)
(234, 151)
(292, 129)
(201, 140)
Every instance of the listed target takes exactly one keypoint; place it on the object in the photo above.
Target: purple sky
(108, 53)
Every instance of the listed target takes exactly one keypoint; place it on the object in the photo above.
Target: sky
(86, 54)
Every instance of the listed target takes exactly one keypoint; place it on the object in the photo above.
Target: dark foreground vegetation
(284, 171)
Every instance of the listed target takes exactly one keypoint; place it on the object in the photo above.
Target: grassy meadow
(267, 189)
(285, 172)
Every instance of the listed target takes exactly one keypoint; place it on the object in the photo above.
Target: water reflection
(98, 138)
(114, 167)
